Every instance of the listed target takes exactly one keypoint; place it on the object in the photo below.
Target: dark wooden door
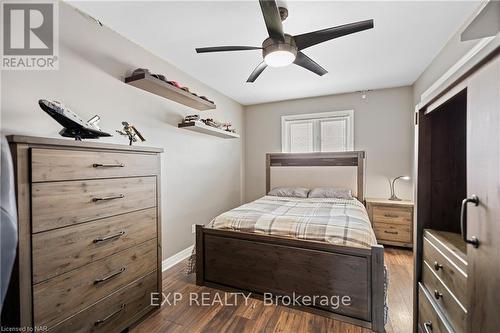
(483, 180)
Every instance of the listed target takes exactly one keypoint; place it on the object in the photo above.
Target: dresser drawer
(393, 215)
(392, 232)
(445, 268)
(58, 251)
(59, 204)
(452, 309)
(430, 319)
(115, 312)
(56, 299)
(58, 164)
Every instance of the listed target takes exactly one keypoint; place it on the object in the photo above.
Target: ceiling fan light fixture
(279, 58)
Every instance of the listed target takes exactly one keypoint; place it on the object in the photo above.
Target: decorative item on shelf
(130, 131)
(74, 126)
(174, 83)
(206, 99)
(212, 123)
(227, 129)
(140, 71)
(160, 76)
(190, 118)
(391, 184)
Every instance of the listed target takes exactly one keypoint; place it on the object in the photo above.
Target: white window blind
(318, 132)
(301, 137)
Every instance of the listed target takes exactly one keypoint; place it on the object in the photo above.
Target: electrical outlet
(193, 228)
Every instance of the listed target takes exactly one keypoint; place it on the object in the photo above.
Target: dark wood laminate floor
(255, 317)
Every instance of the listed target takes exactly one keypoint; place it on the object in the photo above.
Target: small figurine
(130, 131)
(190, 118)
(211, 122)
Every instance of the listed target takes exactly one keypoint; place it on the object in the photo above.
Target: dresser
(443, 287)
(392, 221)
(89, 253)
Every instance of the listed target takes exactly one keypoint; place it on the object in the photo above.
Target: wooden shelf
(202, 128)
(158, 87)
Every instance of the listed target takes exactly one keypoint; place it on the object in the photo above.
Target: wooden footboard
(351, 279)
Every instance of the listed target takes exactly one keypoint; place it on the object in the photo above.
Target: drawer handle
(106, 238)
(437, 295)
(437, 266)
(391, 232)
(390, 215)
(99, 165)
(107, 277)
(428, 326)
(112, 197)
(111, 315)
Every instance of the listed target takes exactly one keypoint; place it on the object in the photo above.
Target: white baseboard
(176, 258)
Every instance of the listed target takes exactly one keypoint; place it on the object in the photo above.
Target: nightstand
(392, 221)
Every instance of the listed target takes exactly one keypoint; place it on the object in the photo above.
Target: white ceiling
(406, 37)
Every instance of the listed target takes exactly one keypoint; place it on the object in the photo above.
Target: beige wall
(383, 127)
(202, 175)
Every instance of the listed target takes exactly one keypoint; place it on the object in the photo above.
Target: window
(318, 132)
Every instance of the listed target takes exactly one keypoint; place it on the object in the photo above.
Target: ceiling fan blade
(304, 61)
(272, 19)
(312, 38)
(257, 71)
(226, 48)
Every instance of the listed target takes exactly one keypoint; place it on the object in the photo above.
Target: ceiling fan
(281, 49)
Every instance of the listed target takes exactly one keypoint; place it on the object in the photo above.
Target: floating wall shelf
(158, 87)
(202, 128)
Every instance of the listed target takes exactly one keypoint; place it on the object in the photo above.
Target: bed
(301, 248)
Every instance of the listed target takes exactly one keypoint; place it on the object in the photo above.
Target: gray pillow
(330, 192)
(296, 192)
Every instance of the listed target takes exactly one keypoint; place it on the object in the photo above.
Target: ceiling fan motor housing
(283, 9)
(270, 45)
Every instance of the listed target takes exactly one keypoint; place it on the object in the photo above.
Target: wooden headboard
(348, 158)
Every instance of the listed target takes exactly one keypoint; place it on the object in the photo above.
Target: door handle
(463, 220)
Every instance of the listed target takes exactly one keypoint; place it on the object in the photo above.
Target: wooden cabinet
(392, 221)
(457, 276)
(483, 180)
(89, 253)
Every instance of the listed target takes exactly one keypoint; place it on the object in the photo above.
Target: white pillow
(330, 192)
(296, 192)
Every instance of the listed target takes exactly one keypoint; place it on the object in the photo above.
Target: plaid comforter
(336, 221)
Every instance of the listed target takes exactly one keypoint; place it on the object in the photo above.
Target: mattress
(331, 220)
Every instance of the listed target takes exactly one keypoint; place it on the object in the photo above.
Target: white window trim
(348, 114)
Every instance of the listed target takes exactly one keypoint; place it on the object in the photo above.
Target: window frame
(316, 118)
